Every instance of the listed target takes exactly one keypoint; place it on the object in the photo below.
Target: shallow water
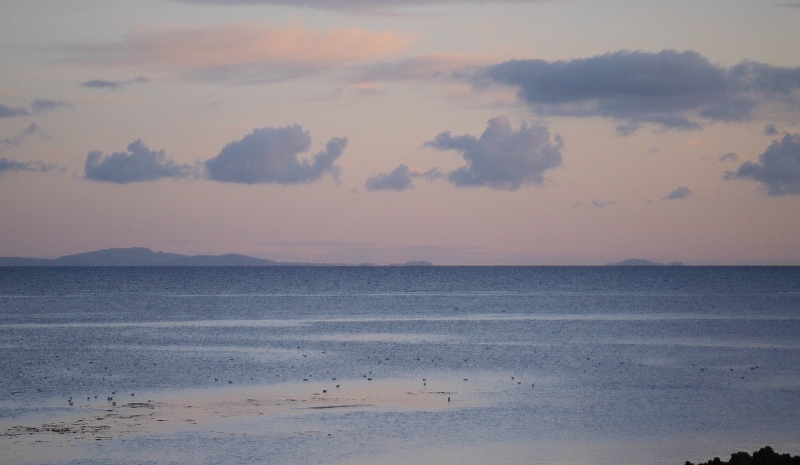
(609, 364)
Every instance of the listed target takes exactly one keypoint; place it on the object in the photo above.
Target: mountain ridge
(143, 256)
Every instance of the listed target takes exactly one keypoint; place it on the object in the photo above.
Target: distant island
(642, 262)
(142, 256)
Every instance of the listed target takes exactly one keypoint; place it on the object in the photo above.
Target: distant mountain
(642, 262)
(141, 256)
(414, 263)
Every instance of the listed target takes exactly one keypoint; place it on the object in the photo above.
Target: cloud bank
(778, 168)
(242, 53)
(670, 89)
(113, 85)
(7, 165)
(270, 155)
(11, 112)
(38, 106)
(138, 164)
(502, 158)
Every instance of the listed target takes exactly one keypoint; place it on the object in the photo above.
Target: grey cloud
(603, 204)
(400, 179)
(678, 194)
(669, 88)
(7, 165)
(502, 158)
(770, 130)
(10, 112)
(113, 85)
(269, 155)
(18, 138)
(138, 164)
(46, 105)
(729, 157)
(778, 168)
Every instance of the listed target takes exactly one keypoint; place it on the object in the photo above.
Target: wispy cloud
(47, 104)
(270, 155)
(243, 53)
(19, 137)
(400, 179)
(38, 106)
(778, 168)
(103, 84)
(679, 193)
(7, 165)
(670, 89)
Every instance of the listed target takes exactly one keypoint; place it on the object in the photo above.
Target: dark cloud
(502, 158)
(7, 165)
(670, 89)
(19, 137)
(400, 179)
(729, 157)
(138, 164)
(778, 169)
(679, 193)
(10, 112)
(269, 155)
(113, 85)
(770, 130)
(46, 105)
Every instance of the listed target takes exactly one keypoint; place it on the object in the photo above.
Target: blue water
(661, 364)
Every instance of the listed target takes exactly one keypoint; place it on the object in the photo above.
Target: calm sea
(623, 365)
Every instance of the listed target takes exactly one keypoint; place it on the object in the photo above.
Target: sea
(352, 365)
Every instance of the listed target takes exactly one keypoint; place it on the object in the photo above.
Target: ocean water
(446, 365)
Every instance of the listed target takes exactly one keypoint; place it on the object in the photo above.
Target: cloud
(770, 130)
(400, 179)
(19, 137)
(138, 164)
(46, 105)
(113, 85)
(7, 165)
(440, 66)
(10, 112)
(673, 90)
(778, 168)
(243, 53)
(678, 194)
(502, 158)
(37, 106)
(730, 156)
(269, 155)
(602, 204)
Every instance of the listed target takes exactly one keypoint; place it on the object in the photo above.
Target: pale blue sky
(552, 132)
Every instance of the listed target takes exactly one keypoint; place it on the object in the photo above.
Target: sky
(518, 132)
